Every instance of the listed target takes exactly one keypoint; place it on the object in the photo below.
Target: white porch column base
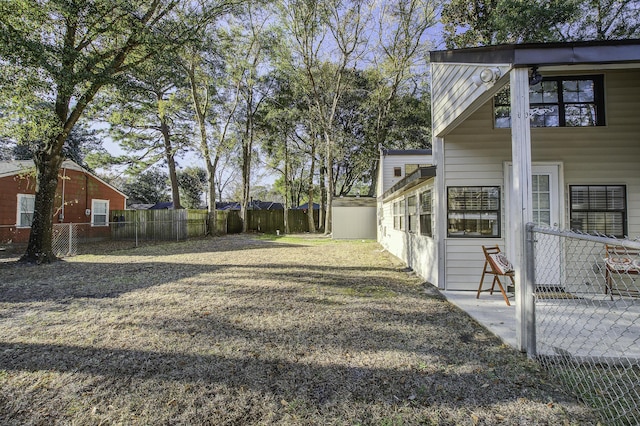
(522, 214)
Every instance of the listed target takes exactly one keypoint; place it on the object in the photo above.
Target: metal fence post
(530, 290)
(70, 251)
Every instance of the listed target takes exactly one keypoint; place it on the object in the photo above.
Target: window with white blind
(600, 209)
(473, 211)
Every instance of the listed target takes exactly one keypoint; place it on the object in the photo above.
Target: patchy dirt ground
(240, 330)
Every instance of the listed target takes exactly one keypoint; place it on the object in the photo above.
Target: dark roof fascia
(407, 152)
(420, 175)
(524, 55)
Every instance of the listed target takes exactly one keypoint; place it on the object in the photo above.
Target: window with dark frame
(599, 209)
(426, 213)
(410, 168)
(558, 102)
(473, 211)
(397, 171)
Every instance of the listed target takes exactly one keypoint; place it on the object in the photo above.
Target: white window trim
(421, 211)
(19, 212)
(93, 212)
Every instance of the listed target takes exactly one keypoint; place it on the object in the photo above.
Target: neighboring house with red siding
(81, 197)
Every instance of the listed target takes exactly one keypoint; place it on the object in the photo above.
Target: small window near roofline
(397, 171)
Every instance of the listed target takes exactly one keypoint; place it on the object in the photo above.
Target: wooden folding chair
(620, 261)
(496, 264)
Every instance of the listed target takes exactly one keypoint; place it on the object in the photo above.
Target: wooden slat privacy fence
(158, 224)
(183, 224)
(270, 221)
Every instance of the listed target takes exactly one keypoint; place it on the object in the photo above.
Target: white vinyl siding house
(531, 168)
(394, 165)
(528, 170)
(401, 213)
(475, 153)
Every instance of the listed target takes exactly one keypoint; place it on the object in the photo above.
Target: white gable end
(458, 90)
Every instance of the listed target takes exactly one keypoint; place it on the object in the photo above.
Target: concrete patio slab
(595, 328)
(489, 310)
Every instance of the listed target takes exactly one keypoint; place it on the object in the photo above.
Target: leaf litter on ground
(243, 330)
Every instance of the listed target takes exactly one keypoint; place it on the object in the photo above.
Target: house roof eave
(421, 175)
(541, 54)
(390, 152)
(15, 167)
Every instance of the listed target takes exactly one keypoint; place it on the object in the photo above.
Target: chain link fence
(65, 239)
(587, 318)
(70, 239)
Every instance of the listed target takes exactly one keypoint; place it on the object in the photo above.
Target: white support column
(522, 214)
(440, 209)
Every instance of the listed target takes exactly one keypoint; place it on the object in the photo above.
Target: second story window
(558, 102)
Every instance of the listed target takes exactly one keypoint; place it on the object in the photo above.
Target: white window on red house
(99, 212)
(26, 207)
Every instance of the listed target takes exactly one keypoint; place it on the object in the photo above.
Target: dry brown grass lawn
(239, 330)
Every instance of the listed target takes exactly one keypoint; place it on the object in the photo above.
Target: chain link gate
(65, 239)
(587, 318)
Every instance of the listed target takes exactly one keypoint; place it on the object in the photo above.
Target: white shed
(354, 218)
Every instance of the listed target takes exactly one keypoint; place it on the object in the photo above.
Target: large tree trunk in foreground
(40, 247)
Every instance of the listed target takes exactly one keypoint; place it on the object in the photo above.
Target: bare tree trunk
(374, 178)
(247, 148)
(311, 221)
(323, 196)
(200, 109)
(171, 162)
(286, 187)
(330, 184)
